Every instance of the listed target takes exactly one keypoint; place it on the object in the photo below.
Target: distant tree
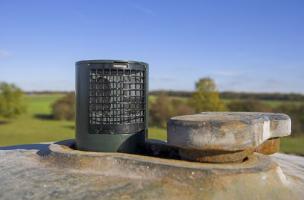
(296, 113)
(181, 107)
(160, 111)
(206, 97)
(64, 108)
(249, 106)
(164, 107)
(172, 93)
(262, 96)
(11, 100)
(238, 95)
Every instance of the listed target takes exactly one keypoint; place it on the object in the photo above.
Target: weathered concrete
(226, 131)
(41, 171)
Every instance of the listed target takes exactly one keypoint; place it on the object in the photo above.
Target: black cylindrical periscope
(111, 105)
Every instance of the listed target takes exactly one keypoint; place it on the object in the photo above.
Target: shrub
(181, 108)
(160, 111)
(164, 108)
(249, 106)
(296, 113)
(206, 97)
(64, 108)
(11, 100)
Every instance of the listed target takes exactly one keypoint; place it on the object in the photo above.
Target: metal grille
(116, 100)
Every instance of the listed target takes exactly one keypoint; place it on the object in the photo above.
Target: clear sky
(245, 45)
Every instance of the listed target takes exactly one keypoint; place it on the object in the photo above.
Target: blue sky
(245, 45)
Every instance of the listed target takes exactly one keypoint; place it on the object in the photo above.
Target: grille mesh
(116, 100)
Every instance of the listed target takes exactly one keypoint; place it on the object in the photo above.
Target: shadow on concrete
(153, 148)
(42, 149)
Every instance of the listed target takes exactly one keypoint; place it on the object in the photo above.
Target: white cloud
(4, 53)
(144, 10)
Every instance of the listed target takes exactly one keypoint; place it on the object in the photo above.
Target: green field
(37, 126)
(294, 145)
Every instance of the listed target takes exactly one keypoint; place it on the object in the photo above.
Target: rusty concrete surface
(226, 131)
(55, 171)
(215, 156)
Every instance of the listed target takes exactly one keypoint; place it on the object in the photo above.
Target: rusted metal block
(270, 146)
(215, 156)
(162, 149)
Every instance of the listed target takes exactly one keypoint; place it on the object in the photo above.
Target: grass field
(37, 126)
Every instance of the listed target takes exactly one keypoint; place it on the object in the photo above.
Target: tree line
(238, 95)
(167, 104)
(207, 98)
(223, 95)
